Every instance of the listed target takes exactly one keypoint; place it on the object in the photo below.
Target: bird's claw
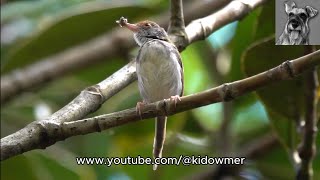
(139, 107)
(175, 98)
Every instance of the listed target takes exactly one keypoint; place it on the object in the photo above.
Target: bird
(159, 70)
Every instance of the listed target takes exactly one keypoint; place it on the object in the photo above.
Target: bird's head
(145, 30)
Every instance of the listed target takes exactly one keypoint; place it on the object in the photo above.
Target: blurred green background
(34, 29)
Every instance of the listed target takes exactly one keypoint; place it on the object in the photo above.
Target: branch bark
(176, 27)
(236, 10)
(176, 23)
(307, 150)
(109, 45)
(41, 134)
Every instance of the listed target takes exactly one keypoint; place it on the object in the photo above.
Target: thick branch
(107, 46)
(44, 133)
(307, 150)
(236, 10)
(92, 97)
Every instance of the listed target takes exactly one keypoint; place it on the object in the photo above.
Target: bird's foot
(175, 98)
(139, 107)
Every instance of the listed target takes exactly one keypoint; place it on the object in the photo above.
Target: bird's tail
(160, 135)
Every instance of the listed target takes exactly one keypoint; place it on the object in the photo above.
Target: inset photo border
(297, 22)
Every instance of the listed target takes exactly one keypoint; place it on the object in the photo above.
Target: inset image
(297, 22)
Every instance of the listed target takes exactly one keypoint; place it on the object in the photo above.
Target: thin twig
(224, 137)
(41, 134)
(224, 131)
(307, 149)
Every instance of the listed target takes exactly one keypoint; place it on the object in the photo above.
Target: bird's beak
(132, 27)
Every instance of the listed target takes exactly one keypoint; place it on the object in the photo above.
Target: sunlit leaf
(266, 25)
(20, 163)
(198, 79)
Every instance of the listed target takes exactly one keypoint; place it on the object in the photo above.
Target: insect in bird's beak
(124, 22)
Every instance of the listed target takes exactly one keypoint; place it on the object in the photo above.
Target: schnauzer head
(297, 24)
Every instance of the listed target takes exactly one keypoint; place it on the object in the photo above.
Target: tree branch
(109, 45)
(176, 27)
(307, 148)
(44, 133)
(176, 23)
(236, 10)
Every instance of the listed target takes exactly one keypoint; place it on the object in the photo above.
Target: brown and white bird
(159, 70)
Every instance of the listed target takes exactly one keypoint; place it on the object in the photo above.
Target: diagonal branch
(307, 150)
(236, 10)
(45, 133)
(110, 45)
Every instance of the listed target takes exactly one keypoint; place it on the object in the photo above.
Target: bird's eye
(291, 14)
(147, 24)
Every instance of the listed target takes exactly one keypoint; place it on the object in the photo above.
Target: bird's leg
(139, 106)
(175, 98)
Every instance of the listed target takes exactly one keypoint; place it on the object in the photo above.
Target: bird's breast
(158, 70)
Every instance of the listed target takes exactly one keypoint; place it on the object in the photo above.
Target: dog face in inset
(297, 29)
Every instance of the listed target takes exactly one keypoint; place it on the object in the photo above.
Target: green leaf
(36, 9)
(275, 165)
(197, 78)
(19, 163)
(97, 72)
(69, 30)
(54, 168)
(284, 101)
(243, 38)
(266, 26)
